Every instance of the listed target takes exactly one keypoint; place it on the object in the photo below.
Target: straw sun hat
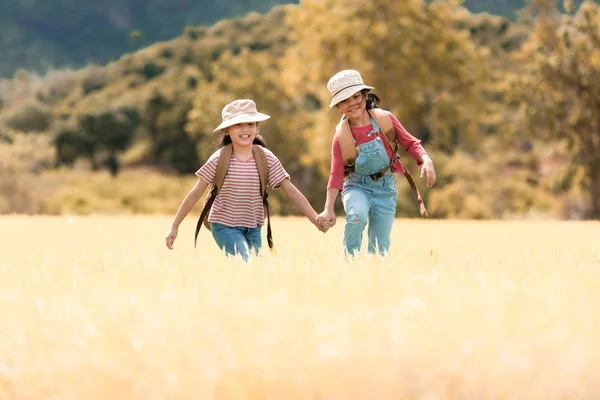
(344, 84)
(240, 111)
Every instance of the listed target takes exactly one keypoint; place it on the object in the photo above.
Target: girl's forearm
(189, 202)
(332, 194)
(186, 206)
(301, 203)
(424, 157)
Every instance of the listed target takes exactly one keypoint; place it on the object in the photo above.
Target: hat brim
(346, 93)
(242, 118)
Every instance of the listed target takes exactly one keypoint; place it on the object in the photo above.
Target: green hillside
(45, 34)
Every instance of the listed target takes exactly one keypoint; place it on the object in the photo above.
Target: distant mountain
(45, 34)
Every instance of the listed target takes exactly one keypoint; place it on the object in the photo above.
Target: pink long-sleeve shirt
(411, 145)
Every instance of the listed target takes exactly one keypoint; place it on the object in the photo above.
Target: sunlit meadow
(98, 308)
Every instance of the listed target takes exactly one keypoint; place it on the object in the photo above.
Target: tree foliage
(557, 87)
(422, 63)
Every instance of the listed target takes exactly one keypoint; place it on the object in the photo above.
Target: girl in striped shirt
(237, 214)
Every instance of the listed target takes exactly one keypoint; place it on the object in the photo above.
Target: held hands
(428, 170)
(170, 239)
(325, 220)
(323, 227)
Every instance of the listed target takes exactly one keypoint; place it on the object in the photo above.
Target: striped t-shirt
(239, 203)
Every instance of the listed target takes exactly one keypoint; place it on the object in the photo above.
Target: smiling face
(242, 135)
(354, 106)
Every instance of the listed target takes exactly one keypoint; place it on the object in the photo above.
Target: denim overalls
(365, 198)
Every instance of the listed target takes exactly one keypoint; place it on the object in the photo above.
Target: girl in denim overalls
(367, 199)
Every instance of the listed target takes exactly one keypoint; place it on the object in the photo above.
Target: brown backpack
(222, 168)
(350, 149)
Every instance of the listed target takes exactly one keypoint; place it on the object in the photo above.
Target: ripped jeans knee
(353, 231)
(356, 218)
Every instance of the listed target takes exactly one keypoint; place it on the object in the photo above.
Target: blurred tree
(99, 135)
(31, 116)
(423, 65)
(557, 85)
(164, 115)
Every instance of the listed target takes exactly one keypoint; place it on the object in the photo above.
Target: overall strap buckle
(376, 176)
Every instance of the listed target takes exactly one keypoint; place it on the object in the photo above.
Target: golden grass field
(98, 308)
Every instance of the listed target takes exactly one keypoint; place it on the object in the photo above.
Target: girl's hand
(428, 170)
(321, 224)
(327, 217)
(171, 235)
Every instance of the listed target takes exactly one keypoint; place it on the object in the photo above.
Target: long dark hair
(372, 100)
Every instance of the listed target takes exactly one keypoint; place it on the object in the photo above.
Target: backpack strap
(416, 194)
(386, 125)
(263, 176)
(349, 152)
(263, 168)
(347, 144)
(222, 167)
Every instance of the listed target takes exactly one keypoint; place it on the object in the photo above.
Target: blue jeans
(374, 202)
(237, 240)
(368, 200)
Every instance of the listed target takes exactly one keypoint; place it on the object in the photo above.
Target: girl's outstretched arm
(299, 200)
(427, 170)
(328, 214)
(186, 206)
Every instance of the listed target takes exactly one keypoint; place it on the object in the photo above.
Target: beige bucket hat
(240, 111)
(344, 84)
